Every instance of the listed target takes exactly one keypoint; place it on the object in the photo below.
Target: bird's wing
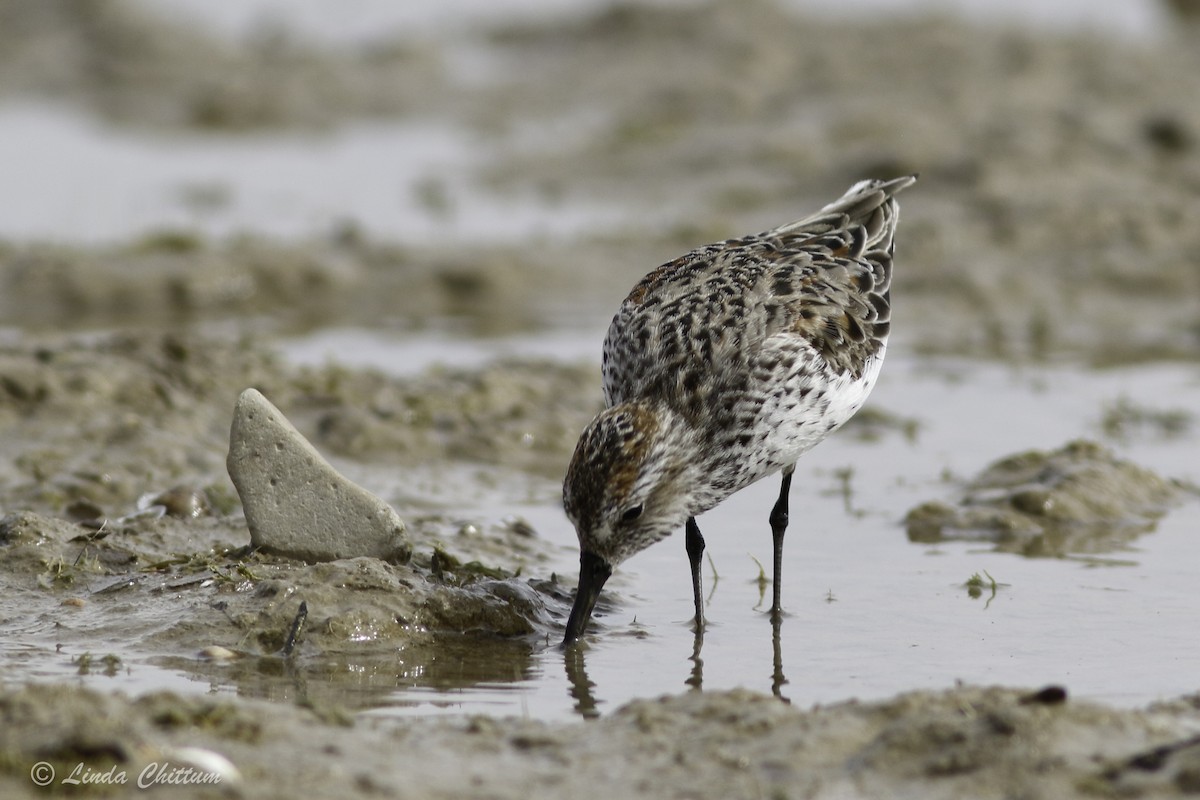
(694, 325)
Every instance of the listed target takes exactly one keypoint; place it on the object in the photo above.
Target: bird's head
(627, 487)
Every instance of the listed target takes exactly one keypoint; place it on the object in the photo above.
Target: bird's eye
(632, 513)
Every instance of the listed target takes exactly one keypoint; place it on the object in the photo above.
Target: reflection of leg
(581, 687)
(696, 679)
(695, 550)
(779, 522)
(777, 679)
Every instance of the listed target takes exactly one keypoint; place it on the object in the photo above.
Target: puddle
(406, 356)
(288, 185)
(870, 613)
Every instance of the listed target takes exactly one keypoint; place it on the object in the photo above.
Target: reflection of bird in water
(581, 687)
(586, 705)
(724, 366)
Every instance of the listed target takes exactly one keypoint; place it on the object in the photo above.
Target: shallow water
(375, 175)
(870, 613)
(283, 185)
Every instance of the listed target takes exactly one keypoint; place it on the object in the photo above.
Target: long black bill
(593, 572)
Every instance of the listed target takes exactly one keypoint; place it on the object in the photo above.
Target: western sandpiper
(725, 366)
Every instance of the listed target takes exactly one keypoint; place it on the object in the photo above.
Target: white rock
(207, 767)
(215, 652)
(298, 505)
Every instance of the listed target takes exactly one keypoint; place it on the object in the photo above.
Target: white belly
(798, 420)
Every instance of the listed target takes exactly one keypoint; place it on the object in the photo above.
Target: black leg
(695, 550)
(779, 521)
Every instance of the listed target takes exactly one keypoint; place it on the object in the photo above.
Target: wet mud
(1054, 220)
(112, 507)
(1077, 499)
(968, 741)
(152, 67)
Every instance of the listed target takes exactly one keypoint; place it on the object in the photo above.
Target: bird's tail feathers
(868, 204)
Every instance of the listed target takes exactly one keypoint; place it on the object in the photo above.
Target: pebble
(296, 503)
(216, 652)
